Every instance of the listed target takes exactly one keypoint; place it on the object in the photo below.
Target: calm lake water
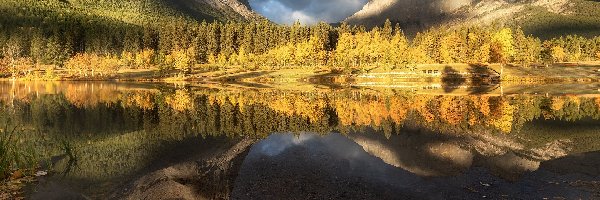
(104, 140)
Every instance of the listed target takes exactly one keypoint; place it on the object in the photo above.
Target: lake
(115, 140)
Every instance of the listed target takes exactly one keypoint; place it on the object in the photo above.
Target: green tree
(527, 49)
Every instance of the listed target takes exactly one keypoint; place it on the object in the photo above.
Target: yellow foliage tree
(452, 110)
(211, 59)
(398, 51)
(558, 54)
(106, 65)
(342, 55)
(81, 63)
(502, 47)
(482, 55)
(143, 59)
(128, 59)
(503, 116)
(242, 57)
(222, 59)
(449, 48)
(182, 59)
(557, 103)
(180, 101)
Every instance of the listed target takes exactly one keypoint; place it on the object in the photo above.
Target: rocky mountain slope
(544, 18)
(218, 9)
(138, 12)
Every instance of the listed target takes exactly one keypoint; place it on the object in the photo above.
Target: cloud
(277, 143)
(307, 11)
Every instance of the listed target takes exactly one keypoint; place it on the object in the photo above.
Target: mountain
(544, 18)
(222, 10)
(52, 31)
(134, 12)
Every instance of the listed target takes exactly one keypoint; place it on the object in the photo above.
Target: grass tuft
(13, 155)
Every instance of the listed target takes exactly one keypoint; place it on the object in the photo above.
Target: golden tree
(343, 52)
(81, 63)
(503, 116)
(558, 54)
(143, 59)
(181, 101)
(128, 59)
(398, 51)
(502, 48)
(106, 65)
(449, 48)
(182, 60)
(242, 57)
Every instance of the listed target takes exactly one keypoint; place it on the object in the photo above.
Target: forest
(93, 46)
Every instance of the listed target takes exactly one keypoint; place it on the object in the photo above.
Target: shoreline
(429, 73)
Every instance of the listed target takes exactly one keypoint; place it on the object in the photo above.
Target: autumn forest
(98, 47)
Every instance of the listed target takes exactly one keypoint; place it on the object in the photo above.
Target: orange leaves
(81, 63)
(420, 105)
(453, 110)
(371, 110)
(4, 65)
(143, 59)
(398, 109)
(483, 104)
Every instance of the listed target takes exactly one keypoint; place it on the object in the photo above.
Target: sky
(307, 11)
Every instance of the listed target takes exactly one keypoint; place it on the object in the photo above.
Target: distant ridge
(140, 11)
(543, 18)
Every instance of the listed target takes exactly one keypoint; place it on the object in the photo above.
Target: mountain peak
(418, 15)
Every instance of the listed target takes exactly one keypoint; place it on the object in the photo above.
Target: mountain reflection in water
(141, 141)
(315, 166)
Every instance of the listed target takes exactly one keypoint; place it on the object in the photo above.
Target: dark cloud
(307, 11)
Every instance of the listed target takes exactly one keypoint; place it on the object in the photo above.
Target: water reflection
(370, 166)
(121, 132)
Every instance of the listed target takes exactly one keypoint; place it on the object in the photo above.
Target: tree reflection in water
(122, 131)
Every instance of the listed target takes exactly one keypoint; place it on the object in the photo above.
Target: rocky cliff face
(239, 7)
(417, 15)
(414, 12)
(223, 10)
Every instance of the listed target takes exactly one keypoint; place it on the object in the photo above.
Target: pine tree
(398, 52)
(449, 48)
(55, 54)
(527, 49)
(386, 32)
(38, 47)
